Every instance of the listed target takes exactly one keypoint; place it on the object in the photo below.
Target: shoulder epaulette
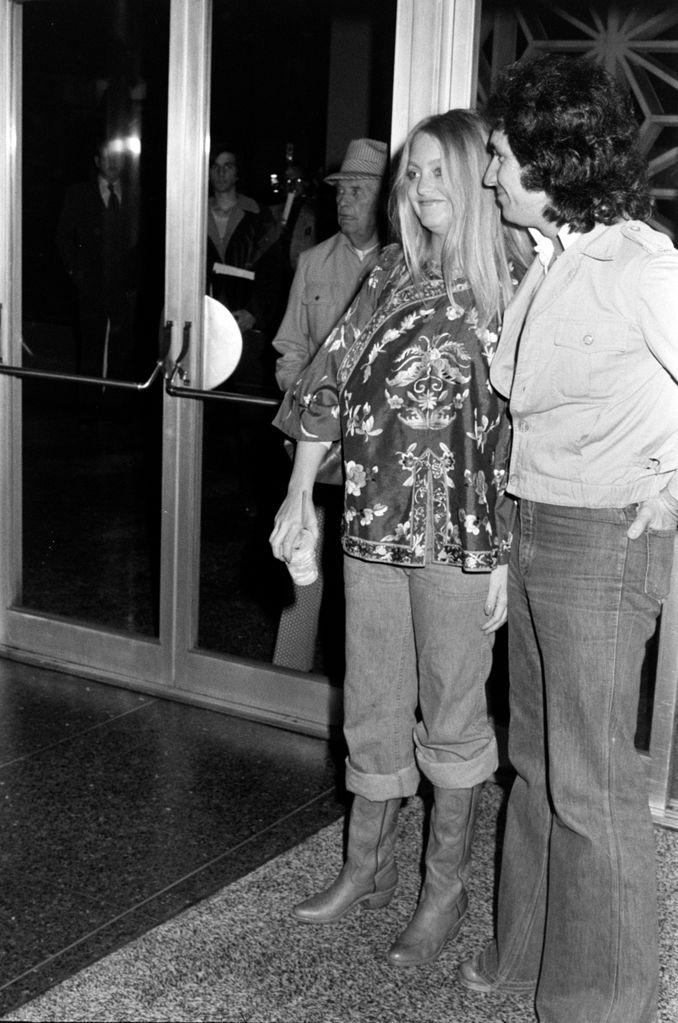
(647, 237)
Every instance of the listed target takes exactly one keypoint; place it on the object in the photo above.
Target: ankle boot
(443, 902)
(369, 875)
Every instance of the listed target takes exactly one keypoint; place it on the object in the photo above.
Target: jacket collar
(599, 243)
(603, 241)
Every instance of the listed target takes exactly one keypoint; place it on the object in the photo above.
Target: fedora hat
(365, 158)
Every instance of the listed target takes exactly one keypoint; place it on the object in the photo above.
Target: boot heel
(378, 900)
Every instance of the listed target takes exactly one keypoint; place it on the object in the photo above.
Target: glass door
(93, 157)
(275, 132)
(84, 135)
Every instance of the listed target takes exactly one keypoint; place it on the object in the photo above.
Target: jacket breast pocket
(317, 294)
(590, 357)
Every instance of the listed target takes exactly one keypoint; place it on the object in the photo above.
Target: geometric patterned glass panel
(637, 42)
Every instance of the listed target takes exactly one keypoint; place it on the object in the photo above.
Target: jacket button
(588, 340)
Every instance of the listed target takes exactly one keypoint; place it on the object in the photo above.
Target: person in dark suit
(97, 239)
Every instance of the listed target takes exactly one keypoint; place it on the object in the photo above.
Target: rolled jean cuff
(458, 774)
(379, 787)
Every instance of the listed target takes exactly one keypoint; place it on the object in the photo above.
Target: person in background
(329, 275)
(295, 216)
(244, 265)
(97, 238)
(403, 382)
(327, 278)
(589, 357)
(245, 273)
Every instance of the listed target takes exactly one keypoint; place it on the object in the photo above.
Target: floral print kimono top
(403, 382)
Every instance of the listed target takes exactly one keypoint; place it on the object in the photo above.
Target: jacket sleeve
(293, 340)
(658, 307)
(268, 268)
(310, 408)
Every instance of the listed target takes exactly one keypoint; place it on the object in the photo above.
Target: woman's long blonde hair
(476, 244)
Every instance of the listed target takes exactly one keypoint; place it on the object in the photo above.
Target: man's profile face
(357, 206)
(518, 205)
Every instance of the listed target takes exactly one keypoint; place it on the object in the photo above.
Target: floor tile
(119, 811)
(39, 708)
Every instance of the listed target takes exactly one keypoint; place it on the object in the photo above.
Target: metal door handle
(185, 391)
(76, 378)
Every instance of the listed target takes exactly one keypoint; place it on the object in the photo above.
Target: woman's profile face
(426, 189)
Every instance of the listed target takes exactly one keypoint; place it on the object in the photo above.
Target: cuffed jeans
(413, 639)
(577, 915)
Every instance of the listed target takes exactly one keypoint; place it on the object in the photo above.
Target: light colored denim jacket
(588, 357)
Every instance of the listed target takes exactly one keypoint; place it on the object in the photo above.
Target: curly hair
(477, 245)
(573, 131)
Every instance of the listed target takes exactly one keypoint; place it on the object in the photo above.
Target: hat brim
(331, 178)
(222, 344)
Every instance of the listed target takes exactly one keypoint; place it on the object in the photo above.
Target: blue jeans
(577, 918)
(413, 639)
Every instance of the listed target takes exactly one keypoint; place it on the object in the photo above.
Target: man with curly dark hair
(589, 359)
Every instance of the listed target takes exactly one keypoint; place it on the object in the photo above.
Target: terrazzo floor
(118, 811)
(239, 957)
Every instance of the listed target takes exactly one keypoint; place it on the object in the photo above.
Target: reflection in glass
(93, 199)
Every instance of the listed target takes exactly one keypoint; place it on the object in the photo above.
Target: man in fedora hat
(329, 275)
(326, 279)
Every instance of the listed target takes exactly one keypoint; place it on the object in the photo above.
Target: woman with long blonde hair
(402, 383)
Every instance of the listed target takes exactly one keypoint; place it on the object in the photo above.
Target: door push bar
(76, 378)
(185, 391)
(161, 366)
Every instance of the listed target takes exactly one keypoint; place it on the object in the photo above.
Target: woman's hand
(297, 511)
(497, 600)
(295, 514)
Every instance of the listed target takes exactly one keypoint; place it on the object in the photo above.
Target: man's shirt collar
(544, 246)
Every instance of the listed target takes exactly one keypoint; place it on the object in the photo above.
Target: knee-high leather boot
(369, 874)
(443, 902)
